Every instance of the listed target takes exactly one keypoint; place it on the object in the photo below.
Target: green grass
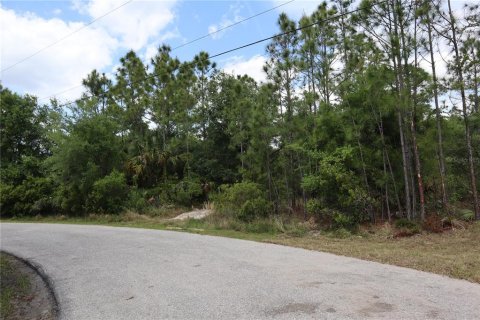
(454, 253)
(13, 284)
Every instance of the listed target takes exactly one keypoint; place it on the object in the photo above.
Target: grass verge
(454, 253)
(14, 286)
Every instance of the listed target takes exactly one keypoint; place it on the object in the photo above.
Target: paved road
(122, 273)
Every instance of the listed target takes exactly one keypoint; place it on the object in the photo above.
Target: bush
(433, 223)
(466, 215)
(252, 209)
(137, 201)
(186, 192)
(33, 196)
(336, 219)
(314, 207)
(109, 194)
(406, 228)
(245, 201)
(405, 224)
(342, 221)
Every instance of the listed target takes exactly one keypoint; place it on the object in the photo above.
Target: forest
(370, 112)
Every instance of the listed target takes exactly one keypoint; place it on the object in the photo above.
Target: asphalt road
(121, 273)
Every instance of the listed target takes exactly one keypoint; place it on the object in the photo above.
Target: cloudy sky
(31, 27)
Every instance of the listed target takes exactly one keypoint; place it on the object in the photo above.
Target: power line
(192, 41)
(60, 92)
(253, 43)
(231, 25)
(66, 36)
(296, 30)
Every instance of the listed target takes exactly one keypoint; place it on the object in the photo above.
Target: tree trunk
(468, 138)
(438, 116)
(413, 128)
(397, 63)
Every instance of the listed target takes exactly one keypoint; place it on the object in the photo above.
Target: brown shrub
(433, 223)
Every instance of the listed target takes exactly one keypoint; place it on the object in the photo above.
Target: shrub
(405, 224)
(245, 201)
(186, 192)
(137, 201)
(433, 223)
(109, 194)
(252, 209)
(314, 207)
(406, 228)
(33, 196)
(342, 221)
(466, 214)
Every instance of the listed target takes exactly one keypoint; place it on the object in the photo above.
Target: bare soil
(195, 214)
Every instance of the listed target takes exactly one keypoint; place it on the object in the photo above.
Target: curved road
(121, 273)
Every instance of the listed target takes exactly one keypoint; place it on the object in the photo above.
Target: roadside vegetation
(351, 146)
(13, 285)
(23, 295)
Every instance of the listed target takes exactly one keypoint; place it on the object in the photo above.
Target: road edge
(49, 284)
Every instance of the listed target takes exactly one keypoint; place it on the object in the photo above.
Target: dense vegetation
(354, 124)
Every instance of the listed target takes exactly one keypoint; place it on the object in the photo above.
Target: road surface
(122, 273)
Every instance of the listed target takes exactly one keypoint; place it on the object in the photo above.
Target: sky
(30, 26)
(62, 59)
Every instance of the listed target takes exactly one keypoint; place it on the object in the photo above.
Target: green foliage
(336, 187)
(31, 197)
(186, 192)
(255, 208)
(342, 221)
(465, 215)
(137, 201)
(314, 207)
(348, 141)
(90, 152)
(245, 201)
(109, 194)
(407, 227)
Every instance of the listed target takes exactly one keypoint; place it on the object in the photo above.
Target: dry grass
(455, 253)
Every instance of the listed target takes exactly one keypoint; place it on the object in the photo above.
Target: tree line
(356, 122)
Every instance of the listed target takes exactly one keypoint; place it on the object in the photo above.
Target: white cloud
(297, 9)
(59, 67)
(65, 64)
(152, 48)
(135, 23)
(57, 11)
(252, 67)
(231, 17)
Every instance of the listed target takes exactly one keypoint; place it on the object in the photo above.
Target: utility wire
(66, 36)
(296, 29)
(60, 92)
(231, 25)
(252, 43)
(192, 41)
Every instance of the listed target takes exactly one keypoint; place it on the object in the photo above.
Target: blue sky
(141, 25)
(28, 26)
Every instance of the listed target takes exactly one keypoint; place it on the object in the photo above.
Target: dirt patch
(24, 294)
(195, 214)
